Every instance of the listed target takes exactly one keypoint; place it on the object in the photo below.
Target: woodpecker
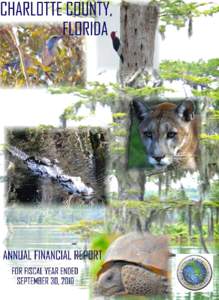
(117, 45)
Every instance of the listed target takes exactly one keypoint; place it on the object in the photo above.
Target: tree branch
(21, 54)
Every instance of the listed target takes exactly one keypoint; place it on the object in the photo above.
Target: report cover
(109, 149)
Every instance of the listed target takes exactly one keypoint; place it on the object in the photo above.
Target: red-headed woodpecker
(117, 45)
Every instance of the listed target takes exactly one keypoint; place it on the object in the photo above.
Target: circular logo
(194, 272)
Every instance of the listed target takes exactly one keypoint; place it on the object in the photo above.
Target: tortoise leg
(139, 281)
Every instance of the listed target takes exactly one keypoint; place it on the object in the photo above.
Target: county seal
(194, 272)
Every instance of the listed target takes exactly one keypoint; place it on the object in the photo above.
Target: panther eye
(148, 134)
(171, 134)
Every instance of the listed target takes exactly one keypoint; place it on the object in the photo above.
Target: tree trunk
(142, 179)
(47, 192)
(150, 219)
(98, 164)
(217, 215)
(63, 122)
(138, 48)
(160, 181)
(199, 227)
(211, 224)
(138, 42)
(190, 220)
(167, 183)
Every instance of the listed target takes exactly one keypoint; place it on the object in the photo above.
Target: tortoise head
(146, 254)
(110, 281)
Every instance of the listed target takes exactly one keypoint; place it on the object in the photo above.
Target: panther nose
(158, 158)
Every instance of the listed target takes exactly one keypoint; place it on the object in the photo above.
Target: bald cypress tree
(138, 23)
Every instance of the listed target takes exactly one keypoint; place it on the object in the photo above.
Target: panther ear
(141, 110)
(185, 110)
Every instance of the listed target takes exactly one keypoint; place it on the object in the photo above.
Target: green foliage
(101, 242)
(201, 73)
(176, 230)
(213, 137)
(146, 91)
(202, 76)
(119, 115)
(215, 115)
(214, 193)
(84, 228)
(120, 132)
(106, 94)
(91, 94)
(209, 93)
(136, 153)
(180, 13)
(116, 148)
(2, 147)
(151, 202)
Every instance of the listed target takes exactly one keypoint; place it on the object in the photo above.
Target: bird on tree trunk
(117, 45)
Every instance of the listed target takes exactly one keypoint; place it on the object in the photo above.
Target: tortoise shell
(144, 249)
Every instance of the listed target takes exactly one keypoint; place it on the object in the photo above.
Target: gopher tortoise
(135, 264)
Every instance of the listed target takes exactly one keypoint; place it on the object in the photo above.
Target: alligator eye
(148, 134)
(109, 278)
(171, 134)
